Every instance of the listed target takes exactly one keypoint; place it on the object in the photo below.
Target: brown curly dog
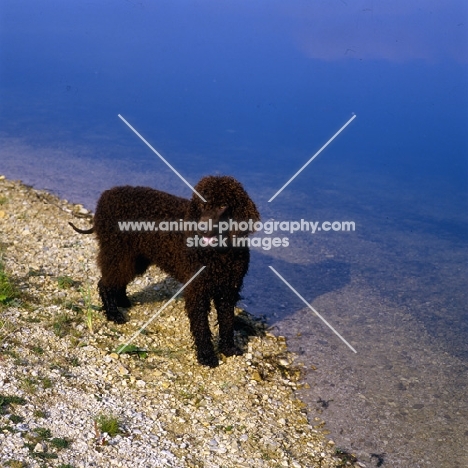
(124, 254)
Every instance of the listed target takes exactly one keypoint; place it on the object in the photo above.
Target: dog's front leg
(224, 304)
(197, 305)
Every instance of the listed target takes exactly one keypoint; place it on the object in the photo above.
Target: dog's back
(127, 203)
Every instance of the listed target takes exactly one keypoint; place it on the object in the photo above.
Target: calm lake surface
(254, 90)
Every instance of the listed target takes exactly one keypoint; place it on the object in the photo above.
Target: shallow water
(399, 298)
(256, 98)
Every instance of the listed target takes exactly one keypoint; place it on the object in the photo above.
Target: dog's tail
(82, 231)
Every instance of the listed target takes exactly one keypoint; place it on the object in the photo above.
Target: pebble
(39, 448)
(124, 371)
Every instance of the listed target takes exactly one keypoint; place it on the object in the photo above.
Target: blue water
(236, 85)
(254, 89)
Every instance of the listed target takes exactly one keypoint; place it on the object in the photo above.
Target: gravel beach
(61, 378)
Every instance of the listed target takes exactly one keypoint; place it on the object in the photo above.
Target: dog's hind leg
(140, 266)
(109, 296)
(117, 271)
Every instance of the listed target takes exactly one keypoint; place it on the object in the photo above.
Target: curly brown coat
(124, 255)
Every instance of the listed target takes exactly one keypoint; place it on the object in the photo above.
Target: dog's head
(227, 206)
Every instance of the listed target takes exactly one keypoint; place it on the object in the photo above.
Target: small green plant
(186, 394)
(226, 429)
(73, 361)
(43, 455)
(89, 309)
(108, 424)
(131, 349)
(40, 414)
(65, 282)
(33, 272)
(8, 291)
(6, 329)
(37, 350)
(46, 382)
(29, 385)
(6, 428)
(43, 433)
(15, 419)
(6, 401)
(16, 464)
(3, 200)
(62, 324)
(18, 361)
(72, 307)
(65, 465)
(60, 443)
(85, 291)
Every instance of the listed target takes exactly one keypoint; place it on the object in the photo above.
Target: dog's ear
(195, 209)
(245, 209)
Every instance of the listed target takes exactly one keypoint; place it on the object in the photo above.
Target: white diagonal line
(122, 348)
(312, 158)
(159, 155)
(312, 309)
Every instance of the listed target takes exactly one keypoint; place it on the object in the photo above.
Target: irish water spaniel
(126, 254)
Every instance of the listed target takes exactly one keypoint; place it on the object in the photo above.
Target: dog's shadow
(265, 298)
(160, 292)
(267, 295)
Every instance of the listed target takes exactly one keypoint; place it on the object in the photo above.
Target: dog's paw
(209, 360)
(117, 317)
(230, 350)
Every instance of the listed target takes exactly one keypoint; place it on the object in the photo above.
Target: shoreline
(56, 355)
